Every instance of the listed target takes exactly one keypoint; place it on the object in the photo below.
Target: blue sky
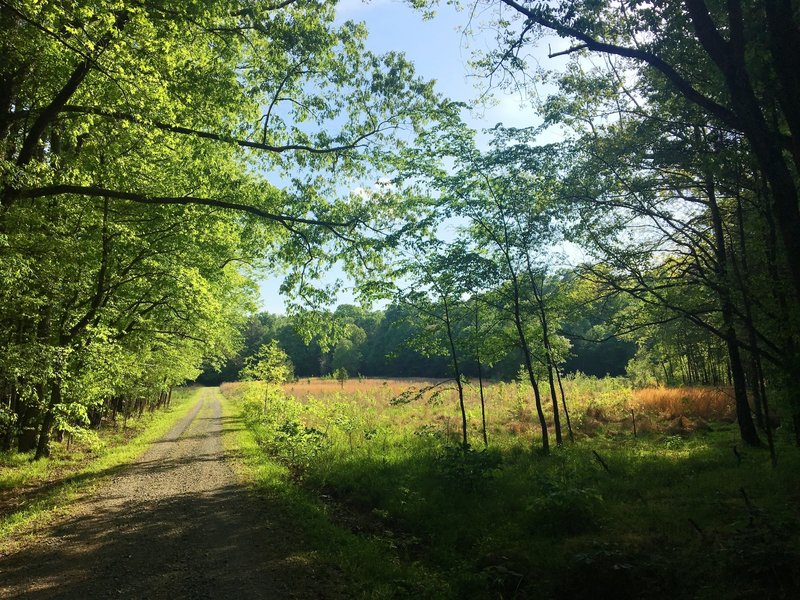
(441, 52)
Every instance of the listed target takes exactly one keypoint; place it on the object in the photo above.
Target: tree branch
(567, 51)
(682, 84)
(90, 110)
(81, 190)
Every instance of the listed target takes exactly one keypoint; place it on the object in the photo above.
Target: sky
(440, 51)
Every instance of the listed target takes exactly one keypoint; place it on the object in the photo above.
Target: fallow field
(654, 497)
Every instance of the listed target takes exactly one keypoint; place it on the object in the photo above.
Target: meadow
(655, 497)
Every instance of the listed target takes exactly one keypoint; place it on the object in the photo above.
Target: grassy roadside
(367, 565)
(54, 483)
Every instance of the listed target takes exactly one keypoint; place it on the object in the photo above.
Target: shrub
(467, 468)
(564, 509)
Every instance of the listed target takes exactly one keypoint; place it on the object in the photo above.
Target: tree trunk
(480, 375)
(564, 406)
(526, 353)
(43, 447)
(538, 294)
(456, 374)
(747, 428)
(755, 390)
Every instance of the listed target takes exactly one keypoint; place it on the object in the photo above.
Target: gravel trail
(174, 524)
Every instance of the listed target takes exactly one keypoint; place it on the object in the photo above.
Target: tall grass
(613, 514)
(607, 405)
(705, 403)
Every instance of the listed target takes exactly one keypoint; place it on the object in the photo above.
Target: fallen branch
(601, 461)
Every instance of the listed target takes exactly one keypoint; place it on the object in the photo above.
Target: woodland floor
(174, 524)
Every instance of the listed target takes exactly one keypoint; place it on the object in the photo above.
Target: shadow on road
(173, 525)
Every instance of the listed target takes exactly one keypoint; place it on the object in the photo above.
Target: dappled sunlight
(174, 523)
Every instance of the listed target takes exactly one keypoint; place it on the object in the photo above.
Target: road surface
(174, 524)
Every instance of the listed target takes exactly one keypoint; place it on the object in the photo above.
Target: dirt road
(174, 524)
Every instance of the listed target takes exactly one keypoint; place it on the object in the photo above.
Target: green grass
(367, 564)
(673, 516)
(56, 481)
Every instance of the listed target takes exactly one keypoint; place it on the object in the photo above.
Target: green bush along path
(175, 523)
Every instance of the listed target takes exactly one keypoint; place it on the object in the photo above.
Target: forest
(160, 159)
(393, 343)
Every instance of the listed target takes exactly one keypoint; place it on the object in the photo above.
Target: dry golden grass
(595, 405)
(510, 410)
(381, 389)
(696, 402)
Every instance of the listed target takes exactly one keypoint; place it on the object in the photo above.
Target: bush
(562, 509)
(468, 469)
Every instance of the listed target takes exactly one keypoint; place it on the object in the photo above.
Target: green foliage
(562, 508)
(141, 145)
(282, 433)
(269, 364)
(341, 375)
(468, 468)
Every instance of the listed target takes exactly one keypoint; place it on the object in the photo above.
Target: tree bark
(744, 417)
(43, 447)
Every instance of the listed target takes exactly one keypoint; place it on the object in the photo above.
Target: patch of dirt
(174, 524)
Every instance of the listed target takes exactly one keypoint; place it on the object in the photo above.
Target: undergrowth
(656, 514)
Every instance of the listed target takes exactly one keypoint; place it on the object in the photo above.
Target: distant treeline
(377, 343)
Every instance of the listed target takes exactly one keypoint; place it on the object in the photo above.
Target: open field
(670, 511)
(606, 406)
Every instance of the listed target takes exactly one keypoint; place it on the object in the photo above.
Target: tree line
(391, 343)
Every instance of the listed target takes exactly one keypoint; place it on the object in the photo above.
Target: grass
(674, 514)
(704, 403)
(367, 567)
(34, 490)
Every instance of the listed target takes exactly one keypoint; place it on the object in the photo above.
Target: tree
(341, 375)
(719, 57)
(725, 71)
(139, 145)
(347, 353)
(506, 196)
(270, 365)
(439, 274)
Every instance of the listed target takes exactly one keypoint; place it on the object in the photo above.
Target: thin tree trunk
(755, 389)
(43, 447)
(538, 295)
(480, 374)
(526, 353)
(564, 405)
(457, 374)
(747, 428)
